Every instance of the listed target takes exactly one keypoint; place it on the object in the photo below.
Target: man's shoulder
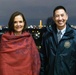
(47, 33)
(73, 27)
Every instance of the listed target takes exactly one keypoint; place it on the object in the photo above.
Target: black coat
(58, 58)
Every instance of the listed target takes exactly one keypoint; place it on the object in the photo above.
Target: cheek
(56, 18)
(66, 18)
(23, 25)
(15, 24)
(15, 27)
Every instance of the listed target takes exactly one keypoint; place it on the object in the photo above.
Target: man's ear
(53, 18)
(67, 16)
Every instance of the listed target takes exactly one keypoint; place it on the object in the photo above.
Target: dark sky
(35, 9)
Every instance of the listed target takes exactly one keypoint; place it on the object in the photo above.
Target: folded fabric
(18, 55)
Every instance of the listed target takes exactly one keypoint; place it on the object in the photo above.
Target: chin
(61, 25)
(19, 31)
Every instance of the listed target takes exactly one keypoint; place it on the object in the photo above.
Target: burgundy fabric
(19, 55)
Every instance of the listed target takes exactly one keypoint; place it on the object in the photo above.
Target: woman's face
(18, 24)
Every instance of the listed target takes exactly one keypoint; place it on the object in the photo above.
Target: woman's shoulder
(6, 33)
(27, 33)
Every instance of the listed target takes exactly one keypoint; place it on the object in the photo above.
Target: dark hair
(11, 21)
(58, 7)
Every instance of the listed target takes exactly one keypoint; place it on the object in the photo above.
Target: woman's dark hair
(57, 8)
(11, 21)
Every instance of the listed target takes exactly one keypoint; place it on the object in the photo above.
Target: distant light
(0, 27)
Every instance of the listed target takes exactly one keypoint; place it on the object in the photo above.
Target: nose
(60, 17)
(18, 23)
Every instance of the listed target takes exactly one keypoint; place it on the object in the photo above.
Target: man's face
(60, 18)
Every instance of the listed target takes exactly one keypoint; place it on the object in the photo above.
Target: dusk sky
(35, 9)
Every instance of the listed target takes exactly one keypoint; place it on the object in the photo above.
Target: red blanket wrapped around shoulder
(18, 55)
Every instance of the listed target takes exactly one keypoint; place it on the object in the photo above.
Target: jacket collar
(69, 33)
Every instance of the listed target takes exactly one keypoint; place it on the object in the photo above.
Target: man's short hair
(58, 7)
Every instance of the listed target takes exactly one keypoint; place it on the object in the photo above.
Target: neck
(60, 28)
(17, 33)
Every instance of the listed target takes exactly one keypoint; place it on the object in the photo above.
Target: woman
(18, 52)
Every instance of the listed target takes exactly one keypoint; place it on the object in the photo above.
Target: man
(58, 55)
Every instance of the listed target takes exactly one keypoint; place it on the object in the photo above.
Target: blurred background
(35, 10)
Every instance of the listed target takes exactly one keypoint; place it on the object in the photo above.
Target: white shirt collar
(63, 30)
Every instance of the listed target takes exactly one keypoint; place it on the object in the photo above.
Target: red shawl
(19, 55)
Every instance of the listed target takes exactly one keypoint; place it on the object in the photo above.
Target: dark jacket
(58, 58)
